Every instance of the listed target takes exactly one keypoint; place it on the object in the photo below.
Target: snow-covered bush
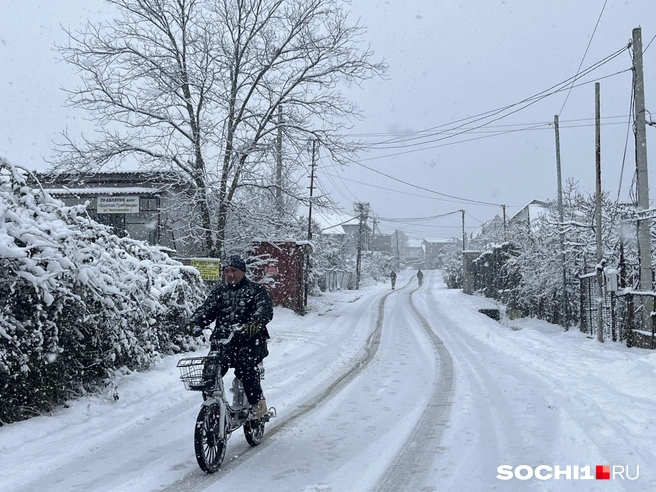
(76, 301)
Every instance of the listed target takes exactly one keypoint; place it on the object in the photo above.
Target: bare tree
(193, 87)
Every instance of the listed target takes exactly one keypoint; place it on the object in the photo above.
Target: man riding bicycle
(243, 307)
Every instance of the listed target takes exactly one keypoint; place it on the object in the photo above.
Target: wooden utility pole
(314, 160)
(362, 209)
(600, 254)
(398, 251)
(505, 233)
(561, 221)
(464, 234)
(308, 266)
(644, 223)
(279, 164)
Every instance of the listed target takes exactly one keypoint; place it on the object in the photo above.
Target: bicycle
(217, 418)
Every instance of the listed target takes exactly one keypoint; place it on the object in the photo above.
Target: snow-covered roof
(129, 190)
(531, 211)
(436, 240)
(331, 223)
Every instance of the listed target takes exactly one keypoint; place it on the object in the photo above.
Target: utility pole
(314, 160)
(306, 270)
(644, 223)
(600, 253)
(279, 164)
(362, 209)
(505, 234)
(561, 221)
(398, 251)
(464, 234)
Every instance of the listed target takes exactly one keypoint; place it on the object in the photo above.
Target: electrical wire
(649, 44)
(467, 200)
(419, 219)
(524, 103)
(395, 191)
(584, 54)
(465, 130)
(626, 144)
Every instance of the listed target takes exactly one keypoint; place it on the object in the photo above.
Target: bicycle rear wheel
(210, 448)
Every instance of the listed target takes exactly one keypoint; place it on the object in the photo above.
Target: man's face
(233, 275)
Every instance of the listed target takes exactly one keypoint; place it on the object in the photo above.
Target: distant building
(144, 205)
(432, 252)
(529, 213)
(343, 231)
(414, 253)
(381, 242)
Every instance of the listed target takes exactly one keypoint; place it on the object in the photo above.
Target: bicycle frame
(218, 418)
(231, 416)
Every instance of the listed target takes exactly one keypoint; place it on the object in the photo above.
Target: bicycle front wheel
(254, 431)
(210, 448)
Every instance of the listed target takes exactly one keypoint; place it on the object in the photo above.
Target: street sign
(209, 268)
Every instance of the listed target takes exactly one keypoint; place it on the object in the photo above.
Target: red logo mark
(603, 472)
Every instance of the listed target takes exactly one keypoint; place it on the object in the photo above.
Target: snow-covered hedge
(76, 301)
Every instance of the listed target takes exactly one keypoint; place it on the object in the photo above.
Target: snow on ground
(524, 394)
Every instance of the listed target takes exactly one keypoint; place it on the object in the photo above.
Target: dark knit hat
(235, 261)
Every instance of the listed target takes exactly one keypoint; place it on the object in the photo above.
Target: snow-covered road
(410, 389)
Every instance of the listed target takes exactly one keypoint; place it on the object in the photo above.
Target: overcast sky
(449, 63)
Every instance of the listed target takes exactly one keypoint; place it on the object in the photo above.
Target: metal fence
(338, 280)
(621, 314)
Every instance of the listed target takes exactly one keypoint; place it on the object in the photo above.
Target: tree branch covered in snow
(76, 301)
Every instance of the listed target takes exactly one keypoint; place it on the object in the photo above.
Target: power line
(464, 130)
(419, 219)
(584, 54)
(396, 191)
(626, 144)
(467, 200)
(561, 86)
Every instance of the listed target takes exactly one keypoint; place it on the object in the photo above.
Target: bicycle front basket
(191, 373)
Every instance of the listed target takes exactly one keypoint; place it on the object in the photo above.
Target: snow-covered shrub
(76, 301)
(375, 267)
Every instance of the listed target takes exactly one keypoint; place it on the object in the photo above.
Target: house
(144, 205)
(343, 230)
(414, 253)
(529, 213)
(381, 242)
(432, 252)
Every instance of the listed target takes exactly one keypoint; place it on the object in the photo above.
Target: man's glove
(252, 329)
(196, 331)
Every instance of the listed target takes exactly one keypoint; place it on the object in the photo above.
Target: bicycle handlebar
(224, 341)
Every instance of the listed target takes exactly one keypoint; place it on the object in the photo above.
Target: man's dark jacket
(245, 303)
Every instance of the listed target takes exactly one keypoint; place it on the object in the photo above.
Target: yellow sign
(209, 269)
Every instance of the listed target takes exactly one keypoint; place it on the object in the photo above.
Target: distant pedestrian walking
(420, 277)
(393, 278)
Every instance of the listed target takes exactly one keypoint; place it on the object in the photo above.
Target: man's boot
(260, 409)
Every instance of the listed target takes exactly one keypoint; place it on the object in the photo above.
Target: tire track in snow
(503, 426)
(198, 480)
(415, 460)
